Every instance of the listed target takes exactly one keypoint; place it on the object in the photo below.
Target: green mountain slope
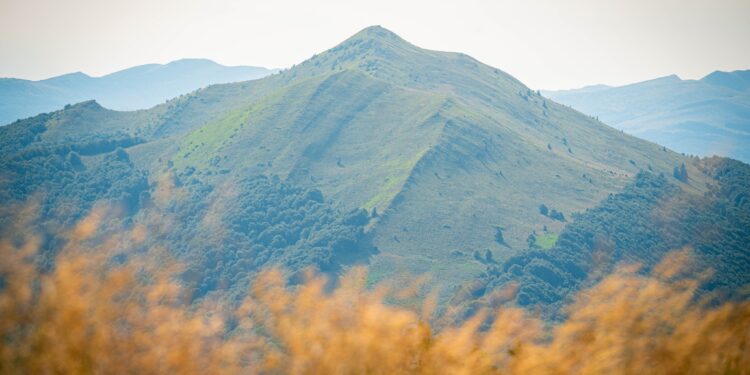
(640, 225)
(454, 155)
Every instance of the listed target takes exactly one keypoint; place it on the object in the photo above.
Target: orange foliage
(89, 316)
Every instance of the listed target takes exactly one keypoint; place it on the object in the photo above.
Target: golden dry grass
(88, 316)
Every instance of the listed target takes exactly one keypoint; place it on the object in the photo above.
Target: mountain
(641, 225)
(699, 117)
(738, 80)
(135, 88)
(374, 152)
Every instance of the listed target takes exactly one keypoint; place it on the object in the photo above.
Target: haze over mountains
(705, 117)
(381, 153)
(138, 87)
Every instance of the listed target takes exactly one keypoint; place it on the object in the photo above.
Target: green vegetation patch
(201, 145)
(399, 171)
(546, 241)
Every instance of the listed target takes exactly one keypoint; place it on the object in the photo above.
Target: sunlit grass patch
(546, 241)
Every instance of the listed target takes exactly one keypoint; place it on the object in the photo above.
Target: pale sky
(546, 44)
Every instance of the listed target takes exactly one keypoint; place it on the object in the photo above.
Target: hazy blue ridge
(705, 117)
(134, 88)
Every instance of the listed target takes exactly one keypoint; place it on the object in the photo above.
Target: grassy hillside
(448, 155)
(638, 226)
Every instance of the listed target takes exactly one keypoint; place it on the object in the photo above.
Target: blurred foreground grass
(93, 316)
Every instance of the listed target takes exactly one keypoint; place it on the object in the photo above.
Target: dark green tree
(488, 256)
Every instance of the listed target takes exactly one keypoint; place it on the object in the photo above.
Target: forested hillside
(639, 226)
(263, 222)
(229, 234)
(379, 153)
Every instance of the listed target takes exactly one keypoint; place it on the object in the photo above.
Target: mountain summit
(450, 157)
(382, 54)
(377, 32)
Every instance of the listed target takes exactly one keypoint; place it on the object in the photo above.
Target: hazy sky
(546, 44)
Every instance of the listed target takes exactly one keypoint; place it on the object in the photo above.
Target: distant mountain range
(135, 88)
(380, 153)
(710, 116)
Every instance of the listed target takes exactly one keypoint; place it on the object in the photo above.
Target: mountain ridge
(515, 99)
(738, 79)
(133, 88)
(448, 156)
(702, 117)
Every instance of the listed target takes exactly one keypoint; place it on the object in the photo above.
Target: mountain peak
(193, 62)
(375, 35)
(382, 54)
(737, 80)
(376, 31)
(91, 105)
(371, 49)
(69, 77)
(669, 78)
